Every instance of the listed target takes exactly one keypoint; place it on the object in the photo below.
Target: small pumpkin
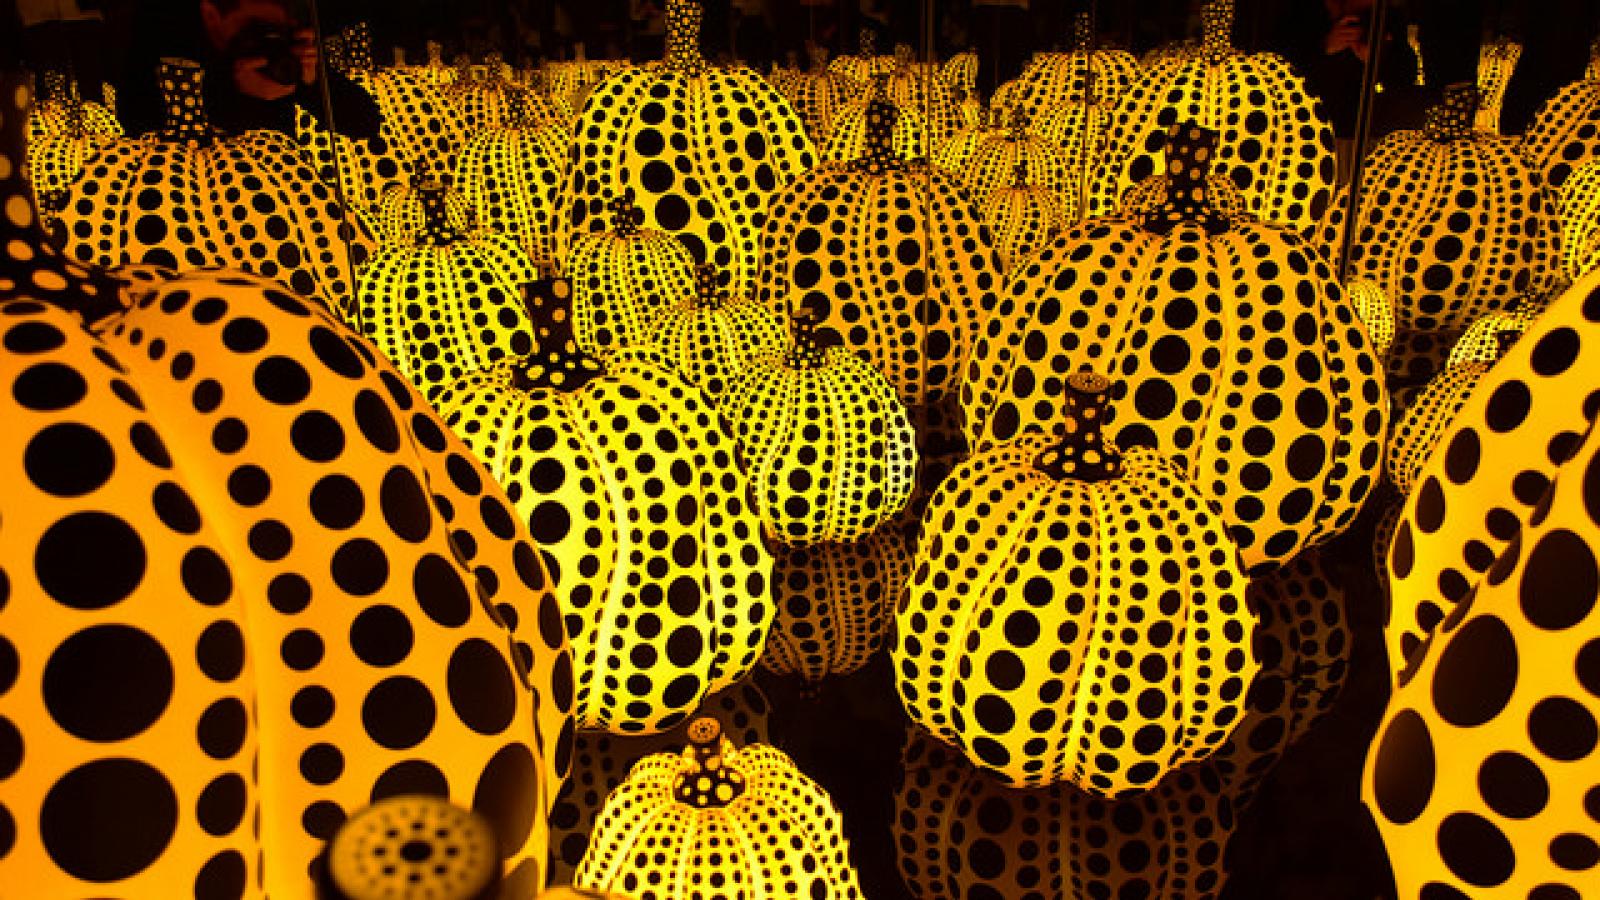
(1023, 216)
(60, 109)
(1014, 643)
(419, 124)
(648, 840)
(61, 146)
(400, 217)
(994, 159)
(818, 95)
(830, 450)
(1580, 221)
(630, 485)
(1051, 79)
(449, 303)
(848, 135)
(511, 175)
(1376, 311)
(834, 604)
(866, 62)
(623, 278)
(712, 338)
(890, 256)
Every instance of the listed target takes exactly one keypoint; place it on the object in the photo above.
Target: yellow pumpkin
(60, 108)
(834, 604)
(1490, 470)
(775, 832)
(1237, 353)
(448, 304)
(1023, 216)
(511, 175)
(1565, 133)
(866, 62)
(711, 338)
(849, 136)
(830, 450)
(420, 125)
(1011, 644)
(64, 139)
(1376, 312)
(630, 485)
(994, 158)
(622, 279)
(1580, 221)
(818, 95)
(1273, 140)
(1050, 79)
(252, 585)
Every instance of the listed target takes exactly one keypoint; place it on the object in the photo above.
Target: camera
(273, 43)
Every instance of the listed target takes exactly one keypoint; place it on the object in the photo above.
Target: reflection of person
(1328, 42)
(260, 63)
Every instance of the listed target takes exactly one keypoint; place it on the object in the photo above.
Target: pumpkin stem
(436, 228)
(624, 216)
(53, 86)
(1019, 172)
(1216, 29)
(358, 47)
(707, 292)
(867, 40)
(435, 54)
(44, 273)
(1083, 453)
(1451, 119)
(879, 155)
(181, 81)
(1082, 32)
(683, 37)
(1189, 151)
(819, 57)
(709, 783)
(556, 361)
(806, 350)
(1018, 124)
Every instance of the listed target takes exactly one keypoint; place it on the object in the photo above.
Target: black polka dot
(1404, 768)
(220, 651)
(376, 422)
(222, 804)
(360, 567)
(222, 728)
(381, 636)
(317, 436)
(221, 878)
(289, 593)
(398, 712)
(413, 776)
(68, 460)
(440, 591)
(1560, 581)
(206, 576)
(90, 560)
(1475, 850)
(1513, 785)
(337, 502)
(49, 387)
(312, 706)
(108, 820)
(405, 506)
(481, 687)
(1476, 672)
(1562, 729)
(281, 380)
(506, 795)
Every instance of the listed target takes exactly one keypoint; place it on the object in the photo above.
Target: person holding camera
(260, 62)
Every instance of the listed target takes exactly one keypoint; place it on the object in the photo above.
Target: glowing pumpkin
(866, 62)
(962, 834)
(1455, 224)
(632, 489)
(849, 138)
(491, 100)
(448, 304)
(829, 447)
(777, 833)
(1580, 221)
(818, 95)
(1273, 141)
(1014, 666)
(1490, 469)
(890, 256)
(994, 160)
(834, 604)
(601, 761)
(420, 125)
(1023, 217)
(401, 218)
(623, 278)
(252, 585)
(512, 175)
(1376, 312)
(1481, 778)
(61, 109)
(712, 338)
(1564, 133)
(699, 148)
(1237, 353)
(60, 148)
(362, 170)
(188, 198)
(1050, 79)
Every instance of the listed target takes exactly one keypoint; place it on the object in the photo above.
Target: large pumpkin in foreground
(251, 584)
(1238, 355)
(699, 148)
(775, 832)
(628, 481)
(1076, 613)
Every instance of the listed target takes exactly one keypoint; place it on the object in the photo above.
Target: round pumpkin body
(1455, 224)
(1490, 471)
(995, 157)
(189, 199)
(1275, 145)
(653, 839)
(1055, 78)
(699, 149)
(512, 175)
(1580, 221)
(421, 125)
(818, 96)
(631, 488)
(362, 170)
(1005, 643)
(1565, 133)
(448, 304)
(623, 278)
(848, 140)
(892, 257)
(830, 449)
(1023, 217)
(712, 338)
(601, 761)
(834, 604)
(1238, 354)
(59, 109)
(401, 216)
(217, 662)
(1481, 777)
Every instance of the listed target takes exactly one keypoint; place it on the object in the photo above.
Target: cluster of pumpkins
(495, 453)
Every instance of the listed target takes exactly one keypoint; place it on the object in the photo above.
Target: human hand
(252, 82)
(1346, 34)
(305, 50)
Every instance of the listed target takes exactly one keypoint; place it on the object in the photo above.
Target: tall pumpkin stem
(879, 155)
(708, 292)
(1189, 154)
(182, 91)
(1216, 24)
(556, 361)
(435, 54)
(1451, 119)
(358, 47)
(1082, 32)
(1019, 173)
(806, 350)
(708, 783)
(436, 228)
(683, 37)
(1083, 453)
(624, 216)
(819, 58)
(867, 41)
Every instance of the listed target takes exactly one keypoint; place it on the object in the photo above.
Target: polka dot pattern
(829, 448)
(1274, 142)
(1482, 777)
(780, 837)
(700, 148)
(419, 123)
(990, 162)
(834, 604)
(819, 95)
(1023, 217)
(362, 170)
(1497, 62)
(1580, 221)
(622, 279)
(512, 175)
(1456, 225)
(712, 338)
(1491, 468)
(1038, 639)
(1565, 133)
(1236, 353)
(1054, 79)
(187, 198)
(631, 487)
